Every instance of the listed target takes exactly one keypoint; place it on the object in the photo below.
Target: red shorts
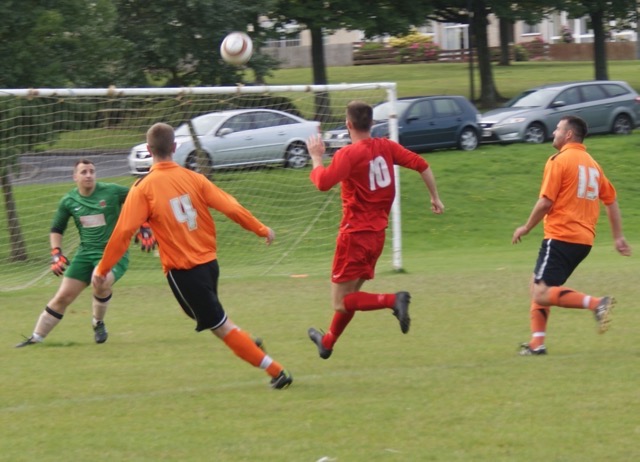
(356, 255)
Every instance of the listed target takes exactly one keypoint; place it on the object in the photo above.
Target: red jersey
(176, 202)
(365, 171)
(576, 184)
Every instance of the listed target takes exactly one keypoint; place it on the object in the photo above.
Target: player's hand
(146, 238)
(518, 233)
(59, 262)
(316, 148)
(270, 237)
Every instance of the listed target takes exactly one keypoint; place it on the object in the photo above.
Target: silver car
(607, 106)
(238, 138)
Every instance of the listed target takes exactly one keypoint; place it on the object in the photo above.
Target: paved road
(52, 168)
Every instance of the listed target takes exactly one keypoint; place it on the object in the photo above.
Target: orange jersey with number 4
(176, 202)
(576, 184)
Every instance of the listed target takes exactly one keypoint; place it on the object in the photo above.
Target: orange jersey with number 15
(576, 184)
(176, 202)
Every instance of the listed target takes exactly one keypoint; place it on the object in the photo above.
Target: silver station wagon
(607, 106)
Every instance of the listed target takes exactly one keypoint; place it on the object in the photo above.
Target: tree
(374, 18)
(600, 12)
(177, 42)
(47, 44)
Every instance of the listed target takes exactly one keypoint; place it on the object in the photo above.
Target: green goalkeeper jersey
(95, 216)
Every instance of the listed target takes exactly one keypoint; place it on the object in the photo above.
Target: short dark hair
(83, 161)
(161, 138)
(578, 126)
(360, 115)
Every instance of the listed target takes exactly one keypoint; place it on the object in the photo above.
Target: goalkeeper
(94, 207)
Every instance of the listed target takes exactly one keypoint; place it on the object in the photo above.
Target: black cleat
(526, 350)
(100, 332)
(316, 337)
(283, 380)
(27, 342)
(401, 310)
(602, 313)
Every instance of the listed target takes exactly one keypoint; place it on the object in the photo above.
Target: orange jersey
(176, 202)
(576, 184)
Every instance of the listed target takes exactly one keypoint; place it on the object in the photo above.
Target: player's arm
(59, 262)
(134, 212)
(541, 208)
(228, 205)
(430, 181)
(615, 220)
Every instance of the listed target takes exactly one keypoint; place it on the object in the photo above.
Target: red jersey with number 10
(365, 171)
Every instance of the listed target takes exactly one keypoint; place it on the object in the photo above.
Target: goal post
(44, 131)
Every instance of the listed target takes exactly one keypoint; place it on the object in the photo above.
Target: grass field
(453, 389)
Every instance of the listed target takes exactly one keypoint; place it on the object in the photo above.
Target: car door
(233, 143)
(596, 108)
(272, 131)
(448, 118)
(416, 125)
(567, 102)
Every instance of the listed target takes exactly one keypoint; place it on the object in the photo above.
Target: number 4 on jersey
(184, 211)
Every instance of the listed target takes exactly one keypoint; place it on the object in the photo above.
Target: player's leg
(53, 313)
(102, 295)
(196, 291)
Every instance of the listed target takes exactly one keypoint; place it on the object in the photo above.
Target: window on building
(530, 29)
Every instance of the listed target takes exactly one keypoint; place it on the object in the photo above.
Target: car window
(532, 98)
(613, 89)
(239, 123)
(446, 107)
(593, 93)
(381, 111)
(270, 119)
(202, 125)
(420, 110)
(569, 96)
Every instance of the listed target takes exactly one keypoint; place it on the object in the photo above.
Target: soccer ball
(236, 48)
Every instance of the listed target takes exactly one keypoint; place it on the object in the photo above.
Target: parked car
(607, 106)
(424, 123)
(238, 138)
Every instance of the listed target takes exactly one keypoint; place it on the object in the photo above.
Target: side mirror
(225, 131)
(558, 103)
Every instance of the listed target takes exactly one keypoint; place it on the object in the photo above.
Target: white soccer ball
(236, 48)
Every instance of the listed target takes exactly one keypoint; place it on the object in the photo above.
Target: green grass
(452, 390)
(430, 79)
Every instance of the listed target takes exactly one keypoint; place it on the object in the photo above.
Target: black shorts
(196, 290)
(557, 260)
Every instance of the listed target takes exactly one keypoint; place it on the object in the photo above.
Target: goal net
(44, 132)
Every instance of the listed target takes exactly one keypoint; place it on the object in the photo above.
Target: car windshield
(202, 125)
(381, 111)
(533, 98)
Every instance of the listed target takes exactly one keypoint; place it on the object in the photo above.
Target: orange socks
(569, 298)
(539, 317)
(245, 348)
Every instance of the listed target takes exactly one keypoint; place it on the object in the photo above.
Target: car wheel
(535, 133)
(621, 125)
(468, 140)
(193, 163)
(296, 155)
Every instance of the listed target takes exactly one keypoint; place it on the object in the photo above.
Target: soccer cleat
(27, 342)
(602, 313)
(316, 337)
(283, 380)
(401, 310)
(526, 350)
(100, 331)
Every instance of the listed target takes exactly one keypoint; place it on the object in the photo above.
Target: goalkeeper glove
(146, 238)
(59, 262)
